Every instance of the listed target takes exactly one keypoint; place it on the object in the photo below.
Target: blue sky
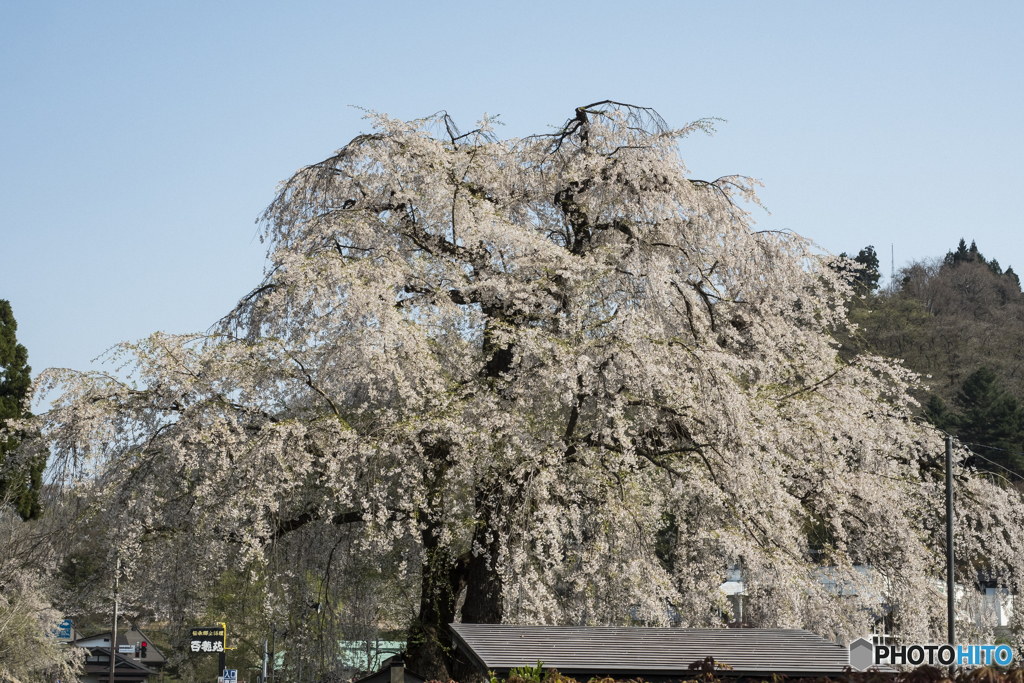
(139, 141)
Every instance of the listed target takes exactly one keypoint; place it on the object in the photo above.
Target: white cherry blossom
(549, 380)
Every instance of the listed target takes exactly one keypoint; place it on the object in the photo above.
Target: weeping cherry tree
(553, 379)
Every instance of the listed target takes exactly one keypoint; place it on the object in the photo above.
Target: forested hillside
(959, 321)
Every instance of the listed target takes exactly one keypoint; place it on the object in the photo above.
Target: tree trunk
(484, 602)
(429, 651)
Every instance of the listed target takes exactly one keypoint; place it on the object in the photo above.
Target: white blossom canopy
(556, 372)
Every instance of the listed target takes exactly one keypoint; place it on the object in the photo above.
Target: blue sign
(64, 629)
(230, 675)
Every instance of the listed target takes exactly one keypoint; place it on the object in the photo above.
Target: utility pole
(950, 587)
(273, 652)
(263, 679)
(113, 633)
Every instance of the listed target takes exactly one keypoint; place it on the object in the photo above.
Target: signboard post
(210, 639)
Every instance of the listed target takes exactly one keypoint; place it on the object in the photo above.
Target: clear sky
(140, 140)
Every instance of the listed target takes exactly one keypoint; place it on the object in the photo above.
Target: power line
(1002, 467)
(991, 448)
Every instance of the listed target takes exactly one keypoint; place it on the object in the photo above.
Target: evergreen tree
(989, 420)
(989, 414)
(865, 280)
(938, 413)
(21, 483)
(1012, 276)
(962, 253)
(975, 255)
(965, 254)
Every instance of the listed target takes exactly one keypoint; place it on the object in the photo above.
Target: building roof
(368, 655)
(384, 676)
(97, 664)
(650, 653)
(131, 637)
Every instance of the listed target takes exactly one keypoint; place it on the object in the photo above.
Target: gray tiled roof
(650, 653)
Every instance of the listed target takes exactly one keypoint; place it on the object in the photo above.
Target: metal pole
(113, 633)
(273, 652)
(950, 586)
(264, 679)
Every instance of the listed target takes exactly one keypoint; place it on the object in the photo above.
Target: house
(367, 655)
(393, 671)
(995, 605)
(130, 664)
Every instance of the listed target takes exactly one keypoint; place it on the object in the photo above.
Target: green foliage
(990, 419)
(959, 322)
(987, 418)
(80, 569)
(528, 673)
(938, 413)
(989, 413)
(667, 541)
(865, 280)
(237, 599)
(965, 254)
(20, 482)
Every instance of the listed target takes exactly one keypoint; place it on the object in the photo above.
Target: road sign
(230, 675)
(125, 649)
(64, 630)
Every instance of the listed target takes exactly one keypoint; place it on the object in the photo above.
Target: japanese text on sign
(207, 640)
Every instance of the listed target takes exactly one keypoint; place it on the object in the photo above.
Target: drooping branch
(287, 526)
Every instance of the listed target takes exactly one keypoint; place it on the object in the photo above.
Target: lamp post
(950, 594)
(113, 633)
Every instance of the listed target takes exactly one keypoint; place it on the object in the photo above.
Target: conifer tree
(1012, 276)
(864, 280)
(867, 279)
(986, 417)
(20, 482)
(991, 419)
